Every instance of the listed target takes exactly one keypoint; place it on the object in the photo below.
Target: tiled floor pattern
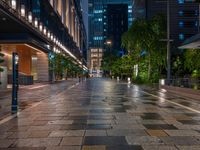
(100, 114)
(29, 95)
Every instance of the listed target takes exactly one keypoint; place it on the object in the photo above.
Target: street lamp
(109, 44)
(168, 41)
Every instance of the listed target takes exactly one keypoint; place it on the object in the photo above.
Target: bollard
(129, 80)
(15, 85)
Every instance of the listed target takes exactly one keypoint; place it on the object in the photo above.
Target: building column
(68, 15)
(42, 67)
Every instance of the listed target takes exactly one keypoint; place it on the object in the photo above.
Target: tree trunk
(149, 68)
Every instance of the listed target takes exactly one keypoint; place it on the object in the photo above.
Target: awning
(193, 42)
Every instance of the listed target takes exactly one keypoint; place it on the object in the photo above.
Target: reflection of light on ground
(162, 95)
(163, 90)
(37, 87)
(135, 91)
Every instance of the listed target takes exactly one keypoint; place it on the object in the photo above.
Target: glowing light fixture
(30, 17)
(40, 27)
(48, 34)
(23, 12)
(13, 4)
(45, 31)
(36, 22)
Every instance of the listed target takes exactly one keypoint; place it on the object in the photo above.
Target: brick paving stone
(64, 148)
(71, 141)
(99, 147)
(157, 133)
(159, 147)
(25, 148)
(182, 132)
(36, 142)
(126, 132)
(95, 133)
(191, 147)
(139, 140)
(105, 115)
(180, 140)
(39, 134)
(5, 143)
(18, 135)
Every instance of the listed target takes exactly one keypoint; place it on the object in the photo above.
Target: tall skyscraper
(100, 27)
(184, 17)
(116, 24)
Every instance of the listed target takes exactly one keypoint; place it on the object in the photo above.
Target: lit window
(181, 24)
(181, 1)
(129, 7)
(196, 23)
(180, 13)
(130, 10)
(130, 19)
(98, 11)
(98, 38)
(181, 36)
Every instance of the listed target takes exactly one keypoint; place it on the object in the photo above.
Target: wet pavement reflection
(103, 114)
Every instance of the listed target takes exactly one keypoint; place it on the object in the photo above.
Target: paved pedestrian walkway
(100, 114)
(29, 95)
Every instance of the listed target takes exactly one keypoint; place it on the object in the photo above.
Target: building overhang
(25, 39)
(191, 43)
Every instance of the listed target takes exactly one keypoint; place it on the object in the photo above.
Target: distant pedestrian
(79, 78)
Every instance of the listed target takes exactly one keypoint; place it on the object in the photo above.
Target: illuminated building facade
(98, 28)
(36, 29)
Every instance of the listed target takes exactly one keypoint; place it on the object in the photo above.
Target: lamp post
(15, 62)
(109, 43)
(168, 40)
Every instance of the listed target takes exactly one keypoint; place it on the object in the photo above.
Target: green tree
(192, 61)
(63, 67)
(143, 40)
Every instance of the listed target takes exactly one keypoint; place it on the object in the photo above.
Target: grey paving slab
(101, 114)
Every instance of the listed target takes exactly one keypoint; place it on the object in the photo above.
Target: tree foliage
(143, 42)
(192, 61)
(63, 67)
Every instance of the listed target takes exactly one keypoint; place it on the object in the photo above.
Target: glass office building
(98, 27)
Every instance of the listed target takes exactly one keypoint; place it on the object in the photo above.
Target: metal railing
(184, 82)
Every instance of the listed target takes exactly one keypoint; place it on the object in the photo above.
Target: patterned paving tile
(139, 140)
(180, 140)
(103, 114)
(104, 140)
(159, 126)
(156, 133)
(100, 147)
(182, 133)
(71, 141)
(159, 147)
